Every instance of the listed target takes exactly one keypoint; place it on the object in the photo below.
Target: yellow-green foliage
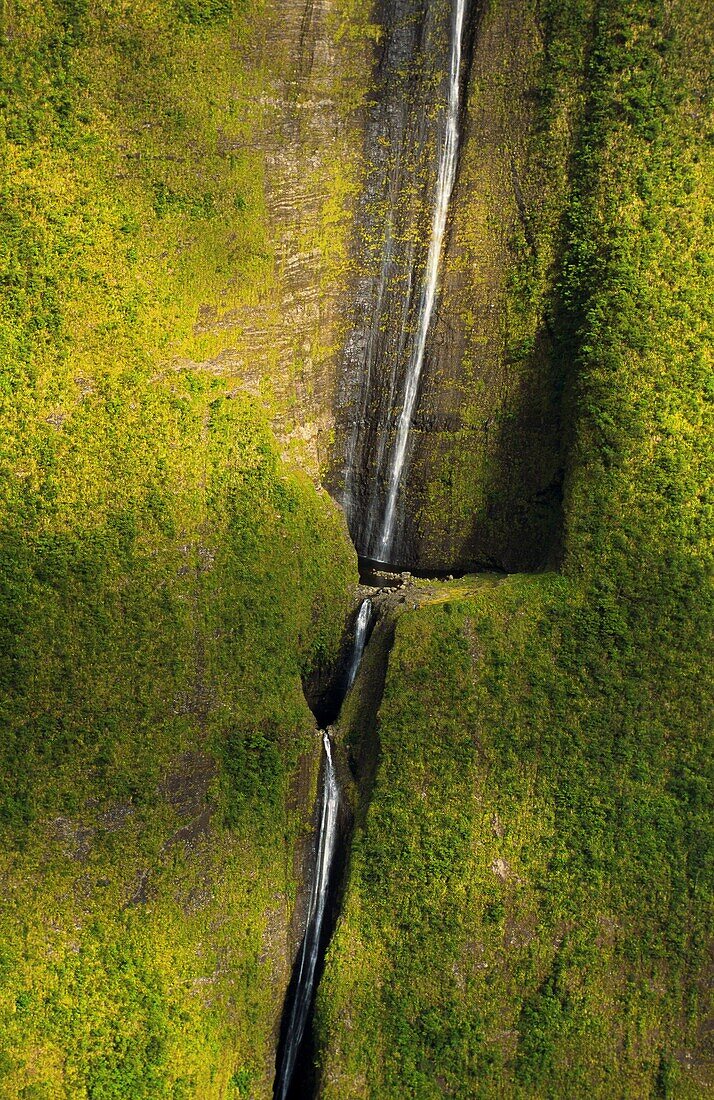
(529, 903)
(165, 580)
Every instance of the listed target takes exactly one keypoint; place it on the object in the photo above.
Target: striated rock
(484, 470)
(308, 127)
(485, 486)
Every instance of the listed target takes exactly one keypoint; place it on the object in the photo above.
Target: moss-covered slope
(528, 907)
(166, 581)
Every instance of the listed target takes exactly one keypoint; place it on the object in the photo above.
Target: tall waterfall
(310, 950)
(448, 160)
(413, 142)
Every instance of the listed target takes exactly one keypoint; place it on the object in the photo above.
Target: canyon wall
(307, 74)
(486, 452)
(340, 110)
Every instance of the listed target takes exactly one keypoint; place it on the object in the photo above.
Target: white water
(361, 628)
(448, 160)
(309, 953)
(326, 842)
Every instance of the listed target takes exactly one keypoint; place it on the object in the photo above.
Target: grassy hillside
(529, 903)
(165, 580)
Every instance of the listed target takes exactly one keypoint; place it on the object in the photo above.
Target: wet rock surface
(486, 480)
(485, 457)
(404, 132)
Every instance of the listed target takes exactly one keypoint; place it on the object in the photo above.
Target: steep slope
(166, 581)
(528, 910)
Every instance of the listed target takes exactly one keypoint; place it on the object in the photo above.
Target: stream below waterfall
(301, 995)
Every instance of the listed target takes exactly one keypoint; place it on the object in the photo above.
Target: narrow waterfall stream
(364, 619)
(310, 950)
(371, 495)
(448, 161)
(414, 140)
(299, 1005)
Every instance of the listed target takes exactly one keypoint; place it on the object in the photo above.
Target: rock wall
(310, 63)
(344, 106)
(485, 468)
(403, 137)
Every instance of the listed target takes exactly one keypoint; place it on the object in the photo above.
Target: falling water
(448, 160)
(298, 1014)
(310, 950)
(362, 626)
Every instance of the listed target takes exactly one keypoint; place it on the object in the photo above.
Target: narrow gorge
(293, 1068)
(382, 426)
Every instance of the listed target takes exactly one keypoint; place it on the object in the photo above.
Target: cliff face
(485, 464)
(486, 478)
(339, 112)
(393, 222)
(307, 71)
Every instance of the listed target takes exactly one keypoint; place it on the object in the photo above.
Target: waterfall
(297, 1012)
(310, 950)
(448, 160)
(361, 627)
(413, 145)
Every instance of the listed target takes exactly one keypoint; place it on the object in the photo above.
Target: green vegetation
(165, 581)
(529, 902)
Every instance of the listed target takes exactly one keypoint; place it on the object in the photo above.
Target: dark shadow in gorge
(326, 686)
(355, 753)
(304, 1080)
(544, 412)
(523, 492)
(359, 733)
(546, 409)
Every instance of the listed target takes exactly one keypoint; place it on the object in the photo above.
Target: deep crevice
(325, 694)
(304, 1078)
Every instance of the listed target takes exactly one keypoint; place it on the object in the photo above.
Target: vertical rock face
(487, 467)
(309, 68)
(484, 461)
(404, 138)
(349, 133)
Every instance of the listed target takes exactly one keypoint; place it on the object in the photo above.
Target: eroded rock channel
(387, 349)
